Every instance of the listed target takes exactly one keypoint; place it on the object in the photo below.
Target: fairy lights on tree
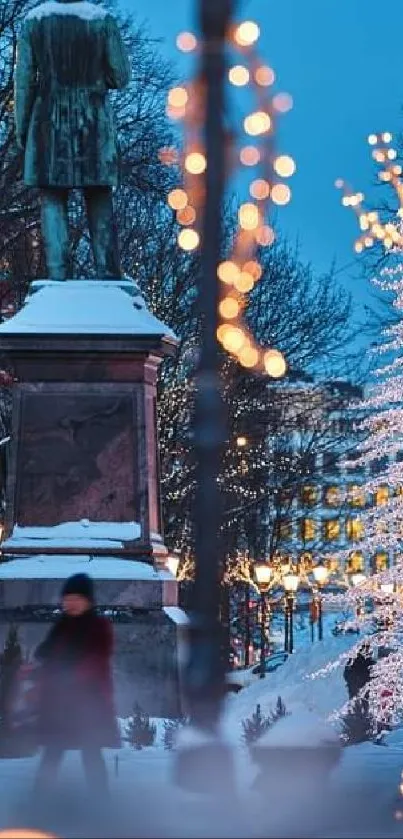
(239, 273)
(376, 602)
(373, 229)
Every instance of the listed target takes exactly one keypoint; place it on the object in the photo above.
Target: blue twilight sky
(343, 64)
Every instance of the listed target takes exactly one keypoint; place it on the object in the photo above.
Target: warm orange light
(249, 357)
(244, 282)
(358, 247)
(379, 155)
(265, 235)
(264, 76)
(186, 42)
(257, 123)
(186, 216)
(188, 239)
(280, 194)
(177, 199)
(238, 75)
(178, 97)
(233, 339)
(229, 308)
(275, 364)
(260, 189)
(24, 833)
(252, 267)
(228, 272)
(195, 163)
(222, 331)
(284, 166)
(248, 215)
(282, 102)
(249, 156)
(246, 33)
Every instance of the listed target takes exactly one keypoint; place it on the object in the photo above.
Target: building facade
(320, 514)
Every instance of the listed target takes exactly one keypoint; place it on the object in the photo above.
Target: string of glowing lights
(375, 231)
(240, 272)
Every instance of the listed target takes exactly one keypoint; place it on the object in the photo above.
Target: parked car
(238, 679)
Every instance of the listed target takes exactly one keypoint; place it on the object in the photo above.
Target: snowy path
(360, 802)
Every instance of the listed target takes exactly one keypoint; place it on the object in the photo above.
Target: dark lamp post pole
(291, 583)
(263, 575)
(204, 675)
(321, 576)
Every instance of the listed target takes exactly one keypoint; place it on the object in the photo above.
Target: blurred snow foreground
(285, 783)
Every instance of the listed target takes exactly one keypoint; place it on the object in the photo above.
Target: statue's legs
(101, 223)
(55, 228)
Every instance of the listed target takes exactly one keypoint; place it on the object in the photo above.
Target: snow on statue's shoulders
(80, 8)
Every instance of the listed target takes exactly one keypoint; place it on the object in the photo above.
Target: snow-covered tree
(376, 601)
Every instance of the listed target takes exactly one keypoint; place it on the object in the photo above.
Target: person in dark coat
(76, 706)
(358, 671)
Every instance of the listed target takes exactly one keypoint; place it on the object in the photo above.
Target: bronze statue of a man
(70, 54)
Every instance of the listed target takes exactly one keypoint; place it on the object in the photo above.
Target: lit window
(356, 496)
(309, 495)
(331, 529)
(332, 496)
(381, 561)
(354, 529)
(308, 529)
(381, 496)
(355, 562)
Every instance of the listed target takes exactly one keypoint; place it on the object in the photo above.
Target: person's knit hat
(79, 584)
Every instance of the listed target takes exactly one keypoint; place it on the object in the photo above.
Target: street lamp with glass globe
(321, 576)
(263, 574)
(290, 583)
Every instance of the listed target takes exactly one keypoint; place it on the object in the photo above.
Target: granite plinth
(85, 357)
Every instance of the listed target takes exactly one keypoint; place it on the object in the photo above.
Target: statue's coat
(70, 54)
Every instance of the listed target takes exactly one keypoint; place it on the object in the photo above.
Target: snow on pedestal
(87, 307)
(83, 534)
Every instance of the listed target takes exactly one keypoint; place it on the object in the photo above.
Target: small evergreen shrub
(256, 725)
(171, 730)
(139, 731)
(356, 725)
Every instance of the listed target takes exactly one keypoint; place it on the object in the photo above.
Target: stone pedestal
(83, 479)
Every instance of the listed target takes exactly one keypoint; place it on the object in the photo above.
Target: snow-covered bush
(171, 730)
(257, 725)
(140, 731)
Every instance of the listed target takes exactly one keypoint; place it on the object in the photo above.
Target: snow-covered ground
(359, 799)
